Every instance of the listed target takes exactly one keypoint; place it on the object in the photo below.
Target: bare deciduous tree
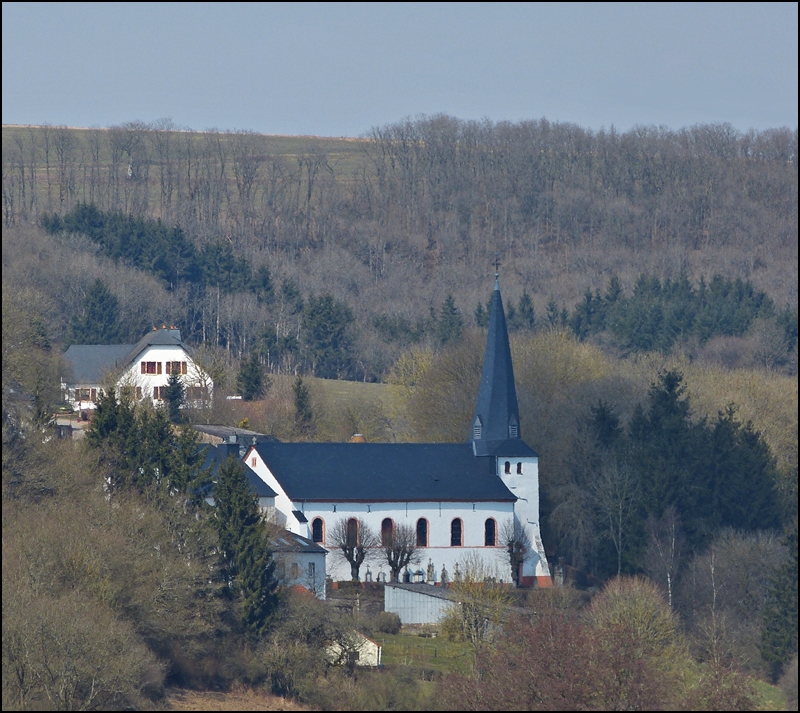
(615, 492)
(664, 549)
(399, 548)
(354, 541)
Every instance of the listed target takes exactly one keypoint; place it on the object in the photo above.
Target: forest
(340, 286)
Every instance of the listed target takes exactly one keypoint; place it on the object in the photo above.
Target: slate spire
(496, 412)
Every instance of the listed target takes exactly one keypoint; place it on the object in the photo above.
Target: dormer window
(477, 429)
(513, 428)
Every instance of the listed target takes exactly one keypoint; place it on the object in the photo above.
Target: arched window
(508, 466)
(318, 530)
(456, 533)
(387, 530)
(490, 533)
(422, 532)
(519, 468)
(352, 532)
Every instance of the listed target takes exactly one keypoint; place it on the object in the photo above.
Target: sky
(339, 69)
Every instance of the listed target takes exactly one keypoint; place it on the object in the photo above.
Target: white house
(143, 368)
(358, 650)
(456, 497)
(300, 562)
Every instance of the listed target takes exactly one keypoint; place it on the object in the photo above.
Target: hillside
(392, 224)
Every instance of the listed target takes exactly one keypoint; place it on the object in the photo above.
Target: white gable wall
(304, 568)
(161, 354)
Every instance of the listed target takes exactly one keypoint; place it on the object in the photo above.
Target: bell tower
(496, 434)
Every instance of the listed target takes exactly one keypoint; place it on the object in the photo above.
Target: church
(458, 498)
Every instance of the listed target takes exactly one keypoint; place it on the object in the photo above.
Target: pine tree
(449, 324)
(173, 394)
(153, 451)
(525, 314)
(303, 416)
(779, 635)
(252, 383)
(554, 318)
(481, 316)
(99, 323)
(247, 563)
(328, 344)
(113, 431)
(187, 476)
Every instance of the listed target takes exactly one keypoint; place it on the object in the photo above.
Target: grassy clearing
(434, 654)
(768, 697)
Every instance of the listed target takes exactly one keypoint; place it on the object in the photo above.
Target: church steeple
(496, 413)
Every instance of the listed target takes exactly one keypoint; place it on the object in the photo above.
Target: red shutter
(183, 367)
(144, 367)
(158, 367)
(94, 394)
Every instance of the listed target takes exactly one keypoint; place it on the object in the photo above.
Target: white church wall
(439, 517)
(525, 485)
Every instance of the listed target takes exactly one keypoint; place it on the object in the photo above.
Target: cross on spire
(496, 263)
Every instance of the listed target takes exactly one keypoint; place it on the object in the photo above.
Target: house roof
(158, 337)
(381, 472)
(215, 456)
(287, 541)
(92, 362)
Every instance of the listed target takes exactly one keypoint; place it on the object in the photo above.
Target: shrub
(388, 623)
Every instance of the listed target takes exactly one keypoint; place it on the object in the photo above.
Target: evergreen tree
(99, 321)
(554, 317)
(449, 325)
(153, 451)
(526, 318)
(303, 416)
(187, 475)
(174, 395)
(481, 316)
(326, 333)
(779, 634)
(113, 431)
(261, 285)
(252, 383)
(247, 563)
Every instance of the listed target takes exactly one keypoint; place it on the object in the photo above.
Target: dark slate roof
(158, 337)
(380, 472)
(91, 363)
(496, 406)
(215, 456)
(510, 448)
(289, 542)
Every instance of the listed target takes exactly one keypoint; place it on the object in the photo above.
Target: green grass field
(435, 654)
